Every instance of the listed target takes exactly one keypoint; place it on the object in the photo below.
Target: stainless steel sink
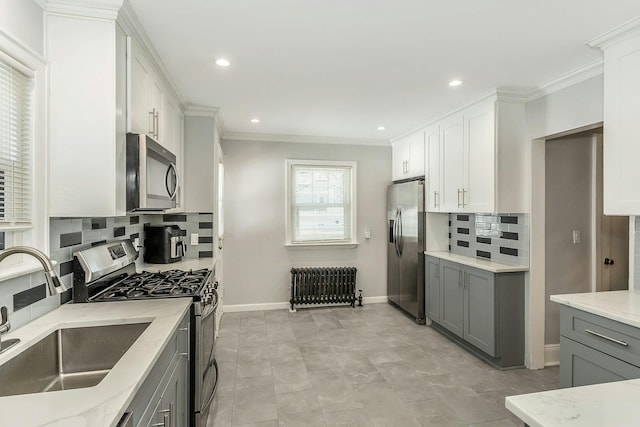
(68, 358)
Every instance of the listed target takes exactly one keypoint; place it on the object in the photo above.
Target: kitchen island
(610, 404)
(105, 403)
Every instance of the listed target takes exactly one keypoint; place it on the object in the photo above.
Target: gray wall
(569, 173)
(199, 157)
(256, 263)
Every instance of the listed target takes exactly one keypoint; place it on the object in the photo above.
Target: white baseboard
(285, 305)
(255, 307)
(374, 300)
(551, 354)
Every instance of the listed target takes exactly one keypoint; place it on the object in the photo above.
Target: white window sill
(16, 270)
(317, 245)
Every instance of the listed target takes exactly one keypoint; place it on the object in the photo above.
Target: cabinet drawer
(608, 336)
(581, 365)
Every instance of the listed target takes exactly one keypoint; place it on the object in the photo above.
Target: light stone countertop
(610, 404)
(103, 404)
(621, 306)
(492, 266)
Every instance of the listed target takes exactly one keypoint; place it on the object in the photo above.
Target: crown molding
(129, 21)
(201, 111)
(569, 79)
(96, 9)
(618, 33)
(305, 139)
(23, 54)
(204, 111)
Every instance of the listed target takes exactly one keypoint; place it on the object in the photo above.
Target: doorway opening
(585, 250)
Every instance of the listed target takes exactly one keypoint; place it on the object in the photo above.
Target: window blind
(15, 146)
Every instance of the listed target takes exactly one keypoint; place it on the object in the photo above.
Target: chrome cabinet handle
(463, 197)
(598, 334)
(459, 197)
(187, 340)
(151, 122)
(156, 123)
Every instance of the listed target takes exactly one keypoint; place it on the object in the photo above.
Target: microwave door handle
(172, 194)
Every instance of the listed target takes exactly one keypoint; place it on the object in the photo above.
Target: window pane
(318, 223)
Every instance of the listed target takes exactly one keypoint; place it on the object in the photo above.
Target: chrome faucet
(53, 282)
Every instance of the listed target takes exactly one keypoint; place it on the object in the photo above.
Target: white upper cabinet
(408, 156)
(478, 164)
(147, 98)
(432, 162)
(478, 193)
(87, 104)
(621, 175)
(452, 165)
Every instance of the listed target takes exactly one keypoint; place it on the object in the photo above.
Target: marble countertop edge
(488, 265)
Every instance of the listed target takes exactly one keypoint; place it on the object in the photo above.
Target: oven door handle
(215, 387)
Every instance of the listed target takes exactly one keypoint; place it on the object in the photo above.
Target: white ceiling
(341, 68)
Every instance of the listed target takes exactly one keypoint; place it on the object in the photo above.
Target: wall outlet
(194, 239)
(367, 232)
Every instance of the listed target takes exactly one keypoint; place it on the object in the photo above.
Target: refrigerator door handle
(400, 237)
(395, 234)
(399, 232)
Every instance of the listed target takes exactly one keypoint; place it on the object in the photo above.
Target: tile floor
(368, 366)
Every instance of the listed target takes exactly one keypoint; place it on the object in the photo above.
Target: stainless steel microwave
(152, 177)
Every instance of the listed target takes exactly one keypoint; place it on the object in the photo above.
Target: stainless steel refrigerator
(405, 247)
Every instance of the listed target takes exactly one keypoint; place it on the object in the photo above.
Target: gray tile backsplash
(502, 238)
(26, 297)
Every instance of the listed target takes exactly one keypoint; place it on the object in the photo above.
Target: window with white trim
(320, 202)
(15, 147)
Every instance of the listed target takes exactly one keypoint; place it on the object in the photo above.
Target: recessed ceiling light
(222, 62)
(454, 83)
(255, 120)
(381, 128)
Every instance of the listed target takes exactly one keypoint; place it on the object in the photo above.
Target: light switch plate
(194, 239)
(577, 237)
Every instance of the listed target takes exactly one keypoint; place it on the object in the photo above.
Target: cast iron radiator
(323, 285)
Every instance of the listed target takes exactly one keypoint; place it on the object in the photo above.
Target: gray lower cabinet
(432, 288)
(451, 297)
(163, 399)
(480, 309)
(594, 349)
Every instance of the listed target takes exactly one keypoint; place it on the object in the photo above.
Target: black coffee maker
(163, 244)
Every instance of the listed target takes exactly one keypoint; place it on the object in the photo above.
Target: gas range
(160, 284)
(108, 273)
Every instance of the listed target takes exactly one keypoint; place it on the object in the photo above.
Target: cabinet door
(432, 147)
(400, 156)
(621, 131)
(452, 184)
(451, 297)
(156, 104)
(140, 119)
(432, 288)
(416, 155)
(479, 158)
(175, 403)
(582, 365)
(479, 309)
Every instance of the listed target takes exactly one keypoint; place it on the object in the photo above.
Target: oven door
(206, 367)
